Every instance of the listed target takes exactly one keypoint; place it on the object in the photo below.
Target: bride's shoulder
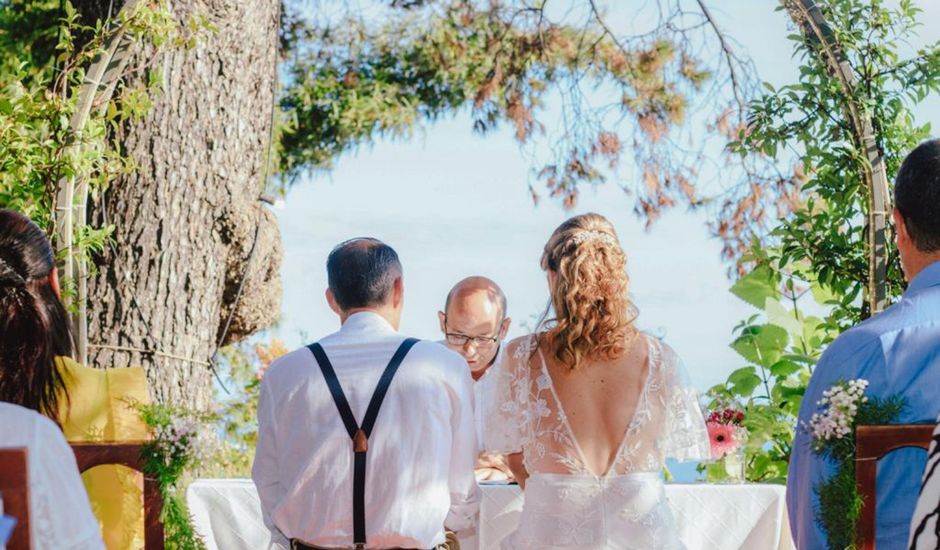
(666, 363)
(522, 348)
(661, 353)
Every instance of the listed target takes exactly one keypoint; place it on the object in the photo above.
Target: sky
(455, 204)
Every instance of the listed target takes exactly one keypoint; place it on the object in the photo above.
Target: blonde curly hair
(594, 317)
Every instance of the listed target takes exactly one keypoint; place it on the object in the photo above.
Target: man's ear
(398, 292)
(504, 330)
(442, 317)
(331, 299)
(903, 237)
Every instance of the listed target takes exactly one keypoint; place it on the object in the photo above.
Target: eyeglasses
(457, 339)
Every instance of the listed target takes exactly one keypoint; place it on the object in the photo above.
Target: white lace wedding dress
(566, 506)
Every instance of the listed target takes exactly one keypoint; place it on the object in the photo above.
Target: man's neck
(386, 313)
(920, 263)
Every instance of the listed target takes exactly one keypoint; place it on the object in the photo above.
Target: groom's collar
(366, 321)
(929, 276)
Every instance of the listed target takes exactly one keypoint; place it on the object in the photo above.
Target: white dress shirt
(419, 473)
(59, 512)
(483, 392)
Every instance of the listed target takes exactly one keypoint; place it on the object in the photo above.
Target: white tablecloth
(709, 517)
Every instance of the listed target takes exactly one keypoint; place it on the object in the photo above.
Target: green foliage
(840, 505)
(31, 37)
(719, 471)
(335, 104)
(185, 448)
(179, 445)
(815, 258)
(37, 145)
(779, 345)
(760, 286)
(238, 414)
(356, 79)
(45, 49)
(825, 235)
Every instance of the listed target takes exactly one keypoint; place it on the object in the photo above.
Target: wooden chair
(872, 443)
(14, 489)
(89, 455)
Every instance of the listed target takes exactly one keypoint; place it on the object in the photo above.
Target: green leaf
(757, 286)
(814, 332)
(823, 294)
(762, 345)
(743, 381)
(784, 368)
(782, 317)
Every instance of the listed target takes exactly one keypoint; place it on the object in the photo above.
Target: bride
(593, 406)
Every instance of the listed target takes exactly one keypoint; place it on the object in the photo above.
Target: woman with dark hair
(37, 372)
(34, 327)
(594, 407)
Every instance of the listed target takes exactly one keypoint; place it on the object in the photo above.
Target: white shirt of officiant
(482, 392)
(422, 450)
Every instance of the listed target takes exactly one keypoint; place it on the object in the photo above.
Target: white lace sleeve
(684, 434)
(506, 410)
(62, 514)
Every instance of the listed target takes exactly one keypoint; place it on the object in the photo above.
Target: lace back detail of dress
(548, 443)
(526, 416)
(624, 509)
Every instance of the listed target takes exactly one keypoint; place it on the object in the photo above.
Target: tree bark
(185, 220)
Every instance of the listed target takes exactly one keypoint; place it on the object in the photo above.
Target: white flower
(839, 406)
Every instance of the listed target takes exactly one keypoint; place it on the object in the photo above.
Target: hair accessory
(594, 235)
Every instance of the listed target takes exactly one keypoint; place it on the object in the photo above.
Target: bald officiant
(474, 323)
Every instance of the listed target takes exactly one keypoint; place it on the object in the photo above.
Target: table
(227, 513)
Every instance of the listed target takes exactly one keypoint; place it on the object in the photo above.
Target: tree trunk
(185, 220)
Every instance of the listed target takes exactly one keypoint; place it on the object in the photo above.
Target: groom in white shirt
(338, 466)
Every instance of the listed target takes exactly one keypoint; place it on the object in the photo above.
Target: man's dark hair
(361, 272)
(917, 195)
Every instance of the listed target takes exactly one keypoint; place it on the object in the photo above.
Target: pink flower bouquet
(727, 436)
(726, 432)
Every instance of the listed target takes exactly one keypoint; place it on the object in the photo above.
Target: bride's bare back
(599, 399)
(607, 418)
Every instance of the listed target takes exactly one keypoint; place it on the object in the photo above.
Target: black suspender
(360, 434)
